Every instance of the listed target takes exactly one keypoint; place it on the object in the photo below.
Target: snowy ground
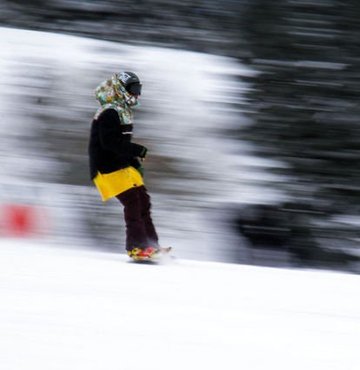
(71, 309)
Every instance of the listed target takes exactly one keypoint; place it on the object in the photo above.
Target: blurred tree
(187, 24)
(305, 100)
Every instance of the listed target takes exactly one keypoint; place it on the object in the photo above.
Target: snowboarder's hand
(139, 159)
(143, 153)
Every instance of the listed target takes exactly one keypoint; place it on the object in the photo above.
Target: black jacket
(110, 146)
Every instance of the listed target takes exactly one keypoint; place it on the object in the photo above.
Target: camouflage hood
(111, 94)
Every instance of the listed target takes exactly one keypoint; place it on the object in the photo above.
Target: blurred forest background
(302, 104)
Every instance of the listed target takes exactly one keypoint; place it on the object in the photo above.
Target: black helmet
(131, 82)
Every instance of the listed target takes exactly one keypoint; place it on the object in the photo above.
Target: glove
(143, 153)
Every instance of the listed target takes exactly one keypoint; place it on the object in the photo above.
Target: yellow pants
(112, 184)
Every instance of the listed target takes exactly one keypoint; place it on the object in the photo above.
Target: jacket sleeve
(113, 139)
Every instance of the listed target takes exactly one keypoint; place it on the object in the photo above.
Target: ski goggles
(134, 89)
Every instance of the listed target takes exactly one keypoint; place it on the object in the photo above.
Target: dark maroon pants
(140, 230)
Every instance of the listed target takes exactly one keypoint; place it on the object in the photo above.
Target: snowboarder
(116, 162)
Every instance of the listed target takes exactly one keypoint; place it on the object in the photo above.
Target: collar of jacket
(125, 114)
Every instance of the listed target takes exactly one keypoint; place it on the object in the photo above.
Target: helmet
(131, 82)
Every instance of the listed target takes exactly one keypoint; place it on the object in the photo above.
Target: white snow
(71, 309)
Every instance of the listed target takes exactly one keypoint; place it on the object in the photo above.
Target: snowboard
(157, 256)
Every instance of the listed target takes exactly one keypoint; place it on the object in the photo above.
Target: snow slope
(73, 309)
